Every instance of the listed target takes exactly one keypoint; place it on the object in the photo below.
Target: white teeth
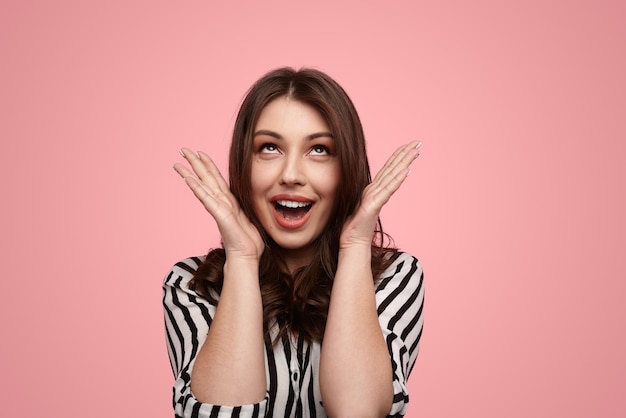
(292, 205)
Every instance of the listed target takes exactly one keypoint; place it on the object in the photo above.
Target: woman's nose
(293, 173)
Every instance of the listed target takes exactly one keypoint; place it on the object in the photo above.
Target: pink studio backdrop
(515, 207)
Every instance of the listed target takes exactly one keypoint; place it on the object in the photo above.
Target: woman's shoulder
(183, 271)
(401, 259)
(403, 267)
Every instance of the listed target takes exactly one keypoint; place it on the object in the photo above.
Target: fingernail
(419, 144)
(180, 151)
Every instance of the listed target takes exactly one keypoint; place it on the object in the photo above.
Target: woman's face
(294, 176)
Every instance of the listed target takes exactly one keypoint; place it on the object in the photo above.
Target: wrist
(360, 252)
(241, 266)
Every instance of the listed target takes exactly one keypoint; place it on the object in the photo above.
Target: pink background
(515, 208)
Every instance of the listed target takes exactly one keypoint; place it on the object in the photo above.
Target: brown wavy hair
(298, 302)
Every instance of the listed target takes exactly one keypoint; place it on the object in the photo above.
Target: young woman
(304, 311)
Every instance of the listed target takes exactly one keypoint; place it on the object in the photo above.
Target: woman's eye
(320, 150)
(268, 149)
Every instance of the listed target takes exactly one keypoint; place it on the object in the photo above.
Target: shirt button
(295, 376)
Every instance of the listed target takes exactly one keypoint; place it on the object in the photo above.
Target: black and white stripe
(292, 366)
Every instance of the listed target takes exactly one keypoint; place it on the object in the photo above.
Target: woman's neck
(295, 259)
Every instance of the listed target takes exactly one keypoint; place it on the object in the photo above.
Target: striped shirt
(292, 365)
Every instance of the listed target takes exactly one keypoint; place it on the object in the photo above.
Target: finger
(392, 175)
(212, 168)
(217, 175)
(182, 170)
(210, 202)
(397, 156)
(210, 188)
(399, 161)
(201, 171)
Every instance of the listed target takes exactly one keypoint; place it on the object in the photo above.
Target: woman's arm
(188, 317)
(230, 367)
(355, 370)
(356, 377)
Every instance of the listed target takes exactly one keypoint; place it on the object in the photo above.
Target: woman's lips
(291, 214)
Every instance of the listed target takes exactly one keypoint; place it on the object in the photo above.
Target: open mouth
(291, 210)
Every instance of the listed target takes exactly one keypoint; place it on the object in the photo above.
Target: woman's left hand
(359, 228)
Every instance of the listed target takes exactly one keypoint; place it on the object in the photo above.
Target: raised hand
(240, 237)
(359, 228)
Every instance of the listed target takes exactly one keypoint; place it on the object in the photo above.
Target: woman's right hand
(240, 237)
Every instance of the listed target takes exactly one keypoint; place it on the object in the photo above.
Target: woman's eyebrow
(279, 136)
(268, 133)
(320, 135)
